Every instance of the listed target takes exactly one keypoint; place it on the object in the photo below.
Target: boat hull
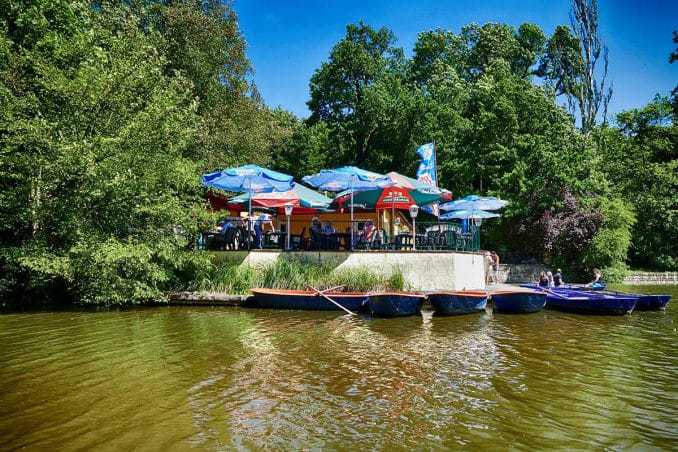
(592, 304)
(652, 302)
(518, 302)
(458, 303)
(306, 300)
(394, 304)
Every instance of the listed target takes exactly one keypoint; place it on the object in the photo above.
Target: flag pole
(435, 162)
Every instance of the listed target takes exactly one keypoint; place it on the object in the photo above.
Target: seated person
(328, 238)
(597, 282)
(549, 277)
(367, 234)
(316, 232)
(558, 278)
(543, 280)
(327, 228)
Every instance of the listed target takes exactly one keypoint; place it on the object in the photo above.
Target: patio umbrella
(390, 197)
(250, 179)
(468, 214)
(475, 202)
(298, 196)
(347, 178)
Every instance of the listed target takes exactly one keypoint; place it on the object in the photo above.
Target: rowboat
(590, 302)
(307, 300)
(644, 303)
(394, 304)
(518, 301)
(458, 302)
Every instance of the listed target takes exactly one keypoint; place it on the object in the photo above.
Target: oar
(322, 294)
(552, 293)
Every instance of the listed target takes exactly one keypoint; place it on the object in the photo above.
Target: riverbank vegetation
(293, 274)
(110, 111)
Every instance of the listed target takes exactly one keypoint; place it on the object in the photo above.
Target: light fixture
(414, 210)
(288, 213)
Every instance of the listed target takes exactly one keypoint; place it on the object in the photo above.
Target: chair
(297, 240)
(316, 240)
(230, 239)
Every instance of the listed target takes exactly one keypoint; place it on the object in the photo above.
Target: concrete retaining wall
(421, 270)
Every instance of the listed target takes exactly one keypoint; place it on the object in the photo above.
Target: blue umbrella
(475, 202)
(468, 214)
(249, 179)
(347, 178)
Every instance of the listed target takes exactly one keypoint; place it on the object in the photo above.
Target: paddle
(552, 293)
(322, 294)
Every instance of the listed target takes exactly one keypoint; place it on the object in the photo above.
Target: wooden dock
(206, 299)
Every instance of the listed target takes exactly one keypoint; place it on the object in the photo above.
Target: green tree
(641, 159)
(343, 91)
(672, 59)
(100, 130)
(572, 64)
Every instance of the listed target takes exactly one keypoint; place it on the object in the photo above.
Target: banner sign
(427, 165)
(427, 172)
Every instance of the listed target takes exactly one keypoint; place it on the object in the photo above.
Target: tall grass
(296, 274)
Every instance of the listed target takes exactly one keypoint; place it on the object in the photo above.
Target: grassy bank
(294, 274)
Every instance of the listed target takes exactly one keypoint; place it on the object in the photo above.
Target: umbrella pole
(351, 216)
(249, 219)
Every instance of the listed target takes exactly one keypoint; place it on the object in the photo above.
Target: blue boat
(458, 302)
(394, 304)
(652, 302)
(518, 301)
(306, 300)
(590, 302)
(645, 302)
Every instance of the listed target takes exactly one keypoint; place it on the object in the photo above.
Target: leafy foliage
(297, 274)
(110, 111)
(102, 134)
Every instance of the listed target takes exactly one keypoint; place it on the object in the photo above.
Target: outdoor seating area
(430, 236)
(351, 209)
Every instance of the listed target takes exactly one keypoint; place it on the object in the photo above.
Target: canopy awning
(298, 196)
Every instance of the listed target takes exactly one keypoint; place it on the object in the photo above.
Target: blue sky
(287, 41)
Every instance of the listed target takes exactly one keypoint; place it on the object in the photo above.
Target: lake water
(224, 378)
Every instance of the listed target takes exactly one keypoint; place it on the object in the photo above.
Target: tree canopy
(110, 111)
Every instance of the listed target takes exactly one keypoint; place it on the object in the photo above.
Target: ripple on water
(225, 378)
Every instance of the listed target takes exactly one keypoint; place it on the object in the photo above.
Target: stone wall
(421, 270)
(522, 273)
(658, 278)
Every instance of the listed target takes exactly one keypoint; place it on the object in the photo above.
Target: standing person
(495, 266)
(543, 280)
(487, 257)
(258, 230)
(558, 278)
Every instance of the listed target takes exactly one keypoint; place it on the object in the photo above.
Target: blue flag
(427, 165)
(427, 172)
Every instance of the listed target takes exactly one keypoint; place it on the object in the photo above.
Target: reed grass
(296, 274)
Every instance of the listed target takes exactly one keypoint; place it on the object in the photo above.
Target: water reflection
(224, 378)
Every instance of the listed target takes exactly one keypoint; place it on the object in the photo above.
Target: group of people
(548, 279)
(492, 267)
